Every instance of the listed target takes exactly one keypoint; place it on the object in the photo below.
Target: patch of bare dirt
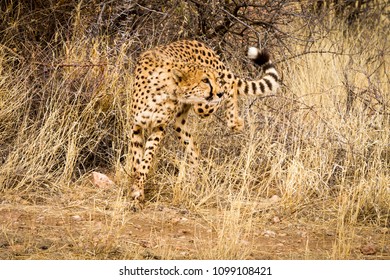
(162, 232)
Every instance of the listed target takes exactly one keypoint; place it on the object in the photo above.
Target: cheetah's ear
(178, 75)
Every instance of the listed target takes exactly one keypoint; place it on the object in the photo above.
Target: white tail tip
(253, 52)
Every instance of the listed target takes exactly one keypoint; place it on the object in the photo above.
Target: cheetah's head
(197, 85)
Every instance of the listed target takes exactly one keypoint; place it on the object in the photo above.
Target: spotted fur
(168, 81)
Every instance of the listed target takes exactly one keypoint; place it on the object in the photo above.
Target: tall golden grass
(322, 145)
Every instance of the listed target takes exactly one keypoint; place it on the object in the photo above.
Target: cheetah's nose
(220, 94)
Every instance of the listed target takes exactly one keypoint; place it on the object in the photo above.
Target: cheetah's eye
(206, 80)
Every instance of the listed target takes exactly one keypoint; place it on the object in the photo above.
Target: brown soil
(158, 231)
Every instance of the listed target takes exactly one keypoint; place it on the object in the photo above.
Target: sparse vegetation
(308, 179)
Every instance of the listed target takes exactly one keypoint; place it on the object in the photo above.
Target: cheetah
(171, 79)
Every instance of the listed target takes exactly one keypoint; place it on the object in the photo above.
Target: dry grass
(308, 178)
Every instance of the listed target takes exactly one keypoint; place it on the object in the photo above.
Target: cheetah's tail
(259, 57)
(268, 84)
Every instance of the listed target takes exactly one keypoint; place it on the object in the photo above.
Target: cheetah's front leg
(137, 152)
(141, 167)
(185, 137)
(234, 121)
